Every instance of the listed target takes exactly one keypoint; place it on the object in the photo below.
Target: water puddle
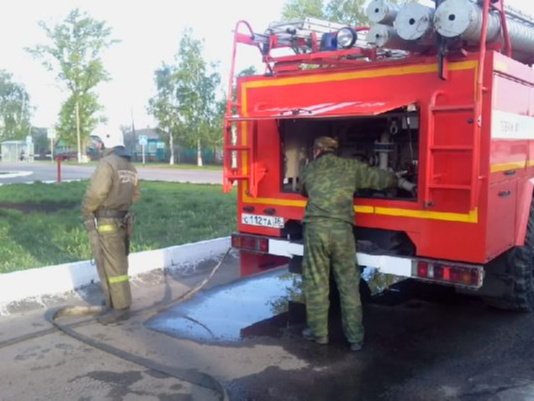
(231, 312)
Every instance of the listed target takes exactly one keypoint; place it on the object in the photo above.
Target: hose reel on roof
(413, 26)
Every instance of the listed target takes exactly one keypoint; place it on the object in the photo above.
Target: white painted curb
(53, 280)
(13, 174)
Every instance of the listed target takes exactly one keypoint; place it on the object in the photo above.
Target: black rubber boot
(307, 333)
(355, 347)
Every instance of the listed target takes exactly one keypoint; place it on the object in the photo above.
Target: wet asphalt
(422, 343)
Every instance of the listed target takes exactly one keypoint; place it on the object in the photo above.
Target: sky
(149, 31)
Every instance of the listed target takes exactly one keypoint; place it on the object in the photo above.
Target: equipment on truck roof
(463, 19)
(454, 27)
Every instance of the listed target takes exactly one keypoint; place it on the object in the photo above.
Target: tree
(15, 108)
(74, 55)
(40, 141)
(295, 9)
(164, 106)
(247, 72)
(214, 135)
(196, 93)
(186, 98)
(350, 12)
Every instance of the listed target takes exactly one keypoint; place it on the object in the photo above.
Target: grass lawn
(40, 224)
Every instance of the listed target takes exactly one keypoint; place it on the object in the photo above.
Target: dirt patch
(43, 207)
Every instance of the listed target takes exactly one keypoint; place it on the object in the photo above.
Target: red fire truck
(452, 109)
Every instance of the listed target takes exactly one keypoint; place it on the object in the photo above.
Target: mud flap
(295, 264)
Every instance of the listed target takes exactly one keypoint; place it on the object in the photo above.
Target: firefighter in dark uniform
(329, 182)
(113, 188)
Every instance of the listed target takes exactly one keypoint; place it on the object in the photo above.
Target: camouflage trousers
(330, 245)
(108, 244)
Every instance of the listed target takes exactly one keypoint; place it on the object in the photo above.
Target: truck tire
(515, 270)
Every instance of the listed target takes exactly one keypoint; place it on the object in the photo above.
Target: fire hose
(188, 375)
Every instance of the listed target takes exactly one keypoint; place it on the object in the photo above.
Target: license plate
(262, 221)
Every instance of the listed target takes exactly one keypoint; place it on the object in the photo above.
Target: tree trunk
(199, 154)
(171, 146)
(78, 139)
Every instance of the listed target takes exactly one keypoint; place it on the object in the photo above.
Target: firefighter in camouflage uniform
(113, 188)
(329, 182)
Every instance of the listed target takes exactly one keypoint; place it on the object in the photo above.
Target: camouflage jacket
(114, 185)
(330, 181)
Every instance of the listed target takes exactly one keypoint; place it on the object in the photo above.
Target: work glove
(403, 183)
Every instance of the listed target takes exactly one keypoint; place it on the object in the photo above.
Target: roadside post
(143, 141)
(58, 177)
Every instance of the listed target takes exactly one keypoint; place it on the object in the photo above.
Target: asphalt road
(47, 171)
(422, 343)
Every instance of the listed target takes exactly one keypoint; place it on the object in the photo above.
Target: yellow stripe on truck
(471, 217)
(496, 168)
(382, 72)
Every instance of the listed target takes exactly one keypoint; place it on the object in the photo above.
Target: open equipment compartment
(389, 141)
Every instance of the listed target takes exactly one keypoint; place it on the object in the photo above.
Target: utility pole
(78, 131)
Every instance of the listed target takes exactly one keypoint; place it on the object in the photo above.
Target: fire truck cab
(441, 98)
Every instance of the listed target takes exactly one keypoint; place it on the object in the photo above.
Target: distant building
(15, 151)
(156, 149)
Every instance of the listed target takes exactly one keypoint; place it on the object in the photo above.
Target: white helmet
(112, 137)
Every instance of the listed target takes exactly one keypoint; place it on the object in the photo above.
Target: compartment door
(500, 232)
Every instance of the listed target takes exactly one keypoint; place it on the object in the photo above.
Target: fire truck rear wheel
(517, 275)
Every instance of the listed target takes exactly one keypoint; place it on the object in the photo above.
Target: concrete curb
(54, 280)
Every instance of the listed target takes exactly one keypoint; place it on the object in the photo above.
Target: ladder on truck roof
(239, 160)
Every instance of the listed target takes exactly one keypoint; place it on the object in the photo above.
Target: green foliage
(40, 140)
(14, 108)
(88, 108)
(295, 9)
(74, 55)
(40, 224)
(213, 135)
(164, 106)
(247, 72)
(185, 105)
(350, 12)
